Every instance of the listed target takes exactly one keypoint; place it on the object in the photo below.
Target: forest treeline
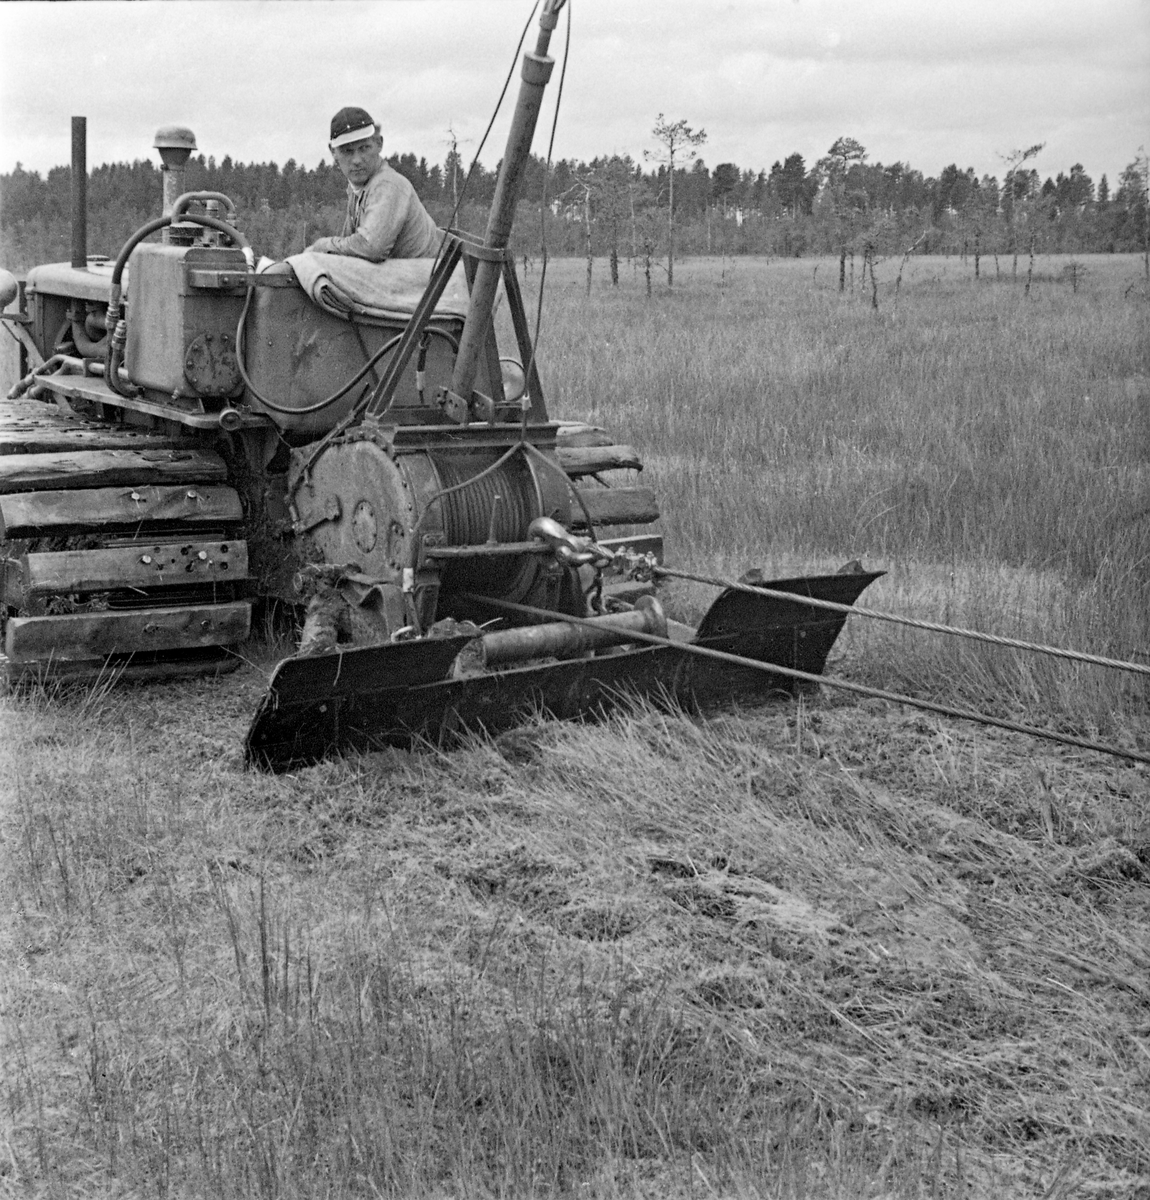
(613, 206)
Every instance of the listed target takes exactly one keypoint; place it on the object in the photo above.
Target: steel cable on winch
(993, 639)
(848, 685)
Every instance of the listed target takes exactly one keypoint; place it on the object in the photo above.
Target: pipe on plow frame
(847, 685)
(559, 639)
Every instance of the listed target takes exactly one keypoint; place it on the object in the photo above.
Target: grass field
(829, 949)
(991, 451)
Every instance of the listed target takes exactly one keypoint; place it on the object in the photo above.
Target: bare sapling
(1142, 174)
(678, 141)
(610, 185)
(1010, 193)
(905, 259)
(634, 222)
(579, 194)
(1029, 267)
(1074, 270)
(868, 260)
(587, 235)
(454, 162)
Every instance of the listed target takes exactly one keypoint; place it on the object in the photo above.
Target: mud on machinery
(190, 434)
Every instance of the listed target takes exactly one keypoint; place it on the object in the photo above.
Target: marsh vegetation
(825, 949)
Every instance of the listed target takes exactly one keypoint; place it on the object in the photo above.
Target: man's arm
(384, 212)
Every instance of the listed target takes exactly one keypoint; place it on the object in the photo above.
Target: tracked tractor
(193, 431)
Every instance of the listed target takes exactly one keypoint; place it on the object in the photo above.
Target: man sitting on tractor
(385, 218)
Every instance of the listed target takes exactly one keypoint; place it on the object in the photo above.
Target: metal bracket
(216, 279)
(17, 325)
(311, 510)
(481, 407)
(455, 408)
(476, 250)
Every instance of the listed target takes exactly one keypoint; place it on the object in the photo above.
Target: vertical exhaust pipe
(79, 191)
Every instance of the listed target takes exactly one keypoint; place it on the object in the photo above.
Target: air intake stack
(175, 144)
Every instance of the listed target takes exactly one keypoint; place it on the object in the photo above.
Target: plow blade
(392, 695)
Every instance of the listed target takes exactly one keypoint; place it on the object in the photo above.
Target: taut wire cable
(993, 639)
(847, 685)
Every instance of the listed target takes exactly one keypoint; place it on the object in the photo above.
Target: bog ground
(833, 948)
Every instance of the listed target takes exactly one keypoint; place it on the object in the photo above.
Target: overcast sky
(927, 82)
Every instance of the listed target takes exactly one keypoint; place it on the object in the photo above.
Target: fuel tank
(299, 355)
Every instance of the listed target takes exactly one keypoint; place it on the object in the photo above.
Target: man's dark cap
(351, 125)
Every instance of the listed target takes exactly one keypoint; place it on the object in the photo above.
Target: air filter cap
(175, 144)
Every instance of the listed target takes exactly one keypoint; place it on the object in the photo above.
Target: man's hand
(321, 246)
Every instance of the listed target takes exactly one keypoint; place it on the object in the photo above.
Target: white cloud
(955, 80)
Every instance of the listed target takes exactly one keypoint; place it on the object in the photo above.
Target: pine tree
(678, 141)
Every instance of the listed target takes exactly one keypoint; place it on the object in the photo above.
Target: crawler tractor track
(120, 549)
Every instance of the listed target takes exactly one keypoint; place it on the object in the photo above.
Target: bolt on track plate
(393, 695)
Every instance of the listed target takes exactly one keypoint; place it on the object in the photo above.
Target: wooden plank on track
(15, 412)
(11, 583)
(617, 506)
(44, 439)
(90, 635)
(142, 565)
(590, 460)
(48, 417)
(107, 468)
(34, 514)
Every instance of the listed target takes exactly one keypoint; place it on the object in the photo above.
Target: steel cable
(993, 639)
(490, 125)
(848, 685)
